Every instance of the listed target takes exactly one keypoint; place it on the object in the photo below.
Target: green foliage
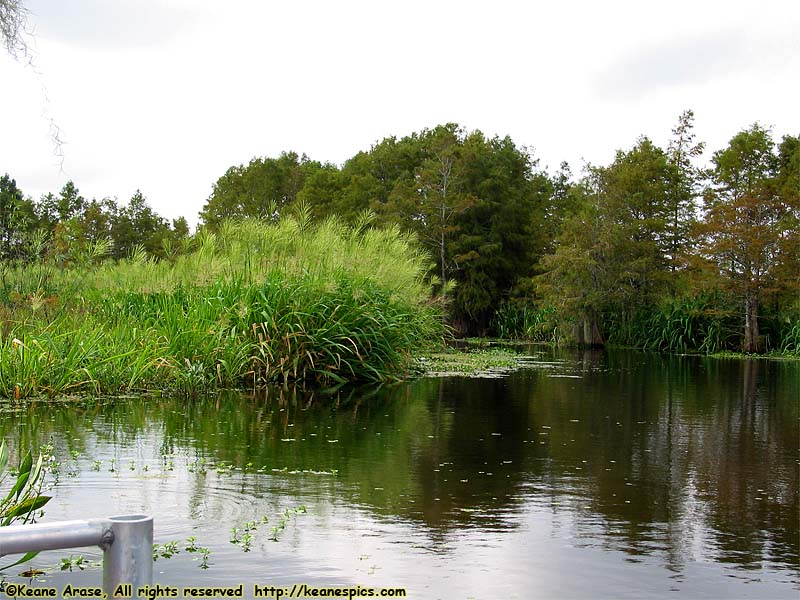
(138, 226)
(470, 200)
(684, 189)
(24, 499)
(613, 252)
(523, 320)
(699, 324)
(750, 230)
(615, 244)
(165, 550)
(73, 562)
(262, 189)
(489, 362)
(17, 220)
(259, 302)
(496, 243)
(790, 336)
(75, 228)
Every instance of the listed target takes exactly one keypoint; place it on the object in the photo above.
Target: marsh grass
(524, 321)
(703, 324)
(706, 324)
(255, 303)
(790, 336)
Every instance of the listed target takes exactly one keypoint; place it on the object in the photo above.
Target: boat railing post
(126, 541)
(129, 559)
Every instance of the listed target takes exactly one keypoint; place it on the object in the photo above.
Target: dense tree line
(650, 250)
(67, 228)
(479, 205)
(621, 253)
(660, 254)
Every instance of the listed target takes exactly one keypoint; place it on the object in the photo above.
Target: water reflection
(685, 461)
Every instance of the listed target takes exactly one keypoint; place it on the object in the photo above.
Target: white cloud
(166, 95)
(100, 24)
(696, 60)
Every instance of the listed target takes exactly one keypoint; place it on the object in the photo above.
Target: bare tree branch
(13, 27)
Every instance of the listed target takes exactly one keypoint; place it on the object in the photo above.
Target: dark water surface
(588, 475)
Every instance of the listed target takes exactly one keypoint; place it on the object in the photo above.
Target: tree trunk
(577, 331)
(751, 342)
(591, 333)
(587, 333)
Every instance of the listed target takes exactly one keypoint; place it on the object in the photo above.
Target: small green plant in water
(22, 502)
(204, 554)
(74, 562)
(250, 526)
(274, 536)
(165, 550)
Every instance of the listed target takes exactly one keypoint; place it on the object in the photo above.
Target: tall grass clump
(522, 320)
(790, 336)
(255, 302)
(697, 324)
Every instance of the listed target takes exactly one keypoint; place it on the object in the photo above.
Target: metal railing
(127, 543)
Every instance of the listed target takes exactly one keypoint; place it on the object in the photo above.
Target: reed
(522, 320)
(255, 303)
(790, 336)
(704, 323)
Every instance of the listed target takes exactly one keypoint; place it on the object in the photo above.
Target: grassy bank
(708, 324)
(253, 304)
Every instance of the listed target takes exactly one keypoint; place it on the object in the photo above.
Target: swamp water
(585, 475)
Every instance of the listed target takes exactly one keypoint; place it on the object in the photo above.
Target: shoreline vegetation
(445, 233)
(324, 303)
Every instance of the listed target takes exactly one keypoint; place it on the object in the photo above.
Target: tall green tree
(262, 188)
(613, 254)
(441, 194)
(561, 200)
(381, 179)
(750, 221)
(97, 219)
(787, 270)
(17, 220)
(322, 192)
(470, 200)
(496, 242)
(137, 224)
(685, 190)
(426, 197)
(68, 204)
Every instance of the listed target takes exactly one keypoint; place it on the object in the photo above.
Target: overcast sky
(166, 95)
